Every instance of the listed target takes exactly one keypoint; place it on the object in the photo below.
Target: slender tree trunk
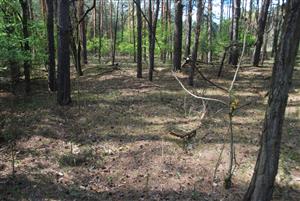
(189, 29)
(170, 41)
(115, 35)
(250, 11)
(276, 30)
(133, 32)
(27, 61)
(234, 54)
(162, 24)
(95, 22)
(152, 33)
(196, 41)
(95, 27)
(166, 34)
(51, 46)
(260, 31)
(262, 183)
(111, 26)
(177, 36)
(221, 15)
(63, 76)
(83, 32)
(43, 9)
(209, 31)
(139, 40)
(100, 32)
(257, 12)
(145, 34)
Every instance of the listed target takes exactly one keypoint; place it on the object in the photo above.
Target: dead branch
(185, 136)
(195, 96)
(209, 81)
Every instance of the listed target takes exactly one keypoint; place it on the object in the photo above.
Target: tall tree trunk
(234, 54)
(51, 46)
(63, 76)
(152, 36)
(196, 41)
(262, 183)
(170, 41)
(139, 40)
(189, 29)
(145, 34)
(221, 15)
(43, 9)
(83, 32)
(115, 35)
(260, 31)
(276, 30)
(177, 36)
(95, 27)
(209, 31)
(166, 33)
(133, 32)
(111, 26)
(95, 22)
(163, 32)
(100, 32)
(27, 61)
(250, 11)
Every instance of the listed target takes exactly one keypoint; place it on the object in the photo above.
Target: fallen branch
(185, 136)
(209, 81)
(195, 96)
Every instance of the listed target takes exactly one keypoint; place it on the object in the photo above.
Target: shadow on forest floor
(113, 142)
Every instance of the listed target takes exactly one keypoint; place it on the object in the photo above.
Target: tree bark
(262, 183)
(189, 29)
(133, 32)
(152, 34)
(165, 28)
(209, 31)
(100, 32)
(196, 41)
(276, 30)
(139, 40)
(115, 36)
(234, 54)
(221, 15)
(260, 31)
(83, 32)
(250, 11)
(27, 61)
(63, 76)
(51, 46)
(177, 36)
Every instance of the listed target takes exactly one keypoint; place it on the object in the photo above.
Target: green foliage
(93, 45)
(12, 40)
(126, 48)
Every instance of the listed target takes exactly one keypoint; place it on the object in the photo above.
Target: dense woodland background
(149, 100)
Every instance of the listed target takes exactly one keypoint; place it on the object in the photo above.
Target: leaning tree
(262, 183)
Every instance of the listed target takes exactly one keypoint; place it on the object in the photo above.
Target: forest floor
(114, 142)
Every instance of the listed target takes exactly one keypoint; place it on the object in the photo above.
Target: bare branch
(240, 60)
(195, 96)
(209, 81)
(87, 12)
